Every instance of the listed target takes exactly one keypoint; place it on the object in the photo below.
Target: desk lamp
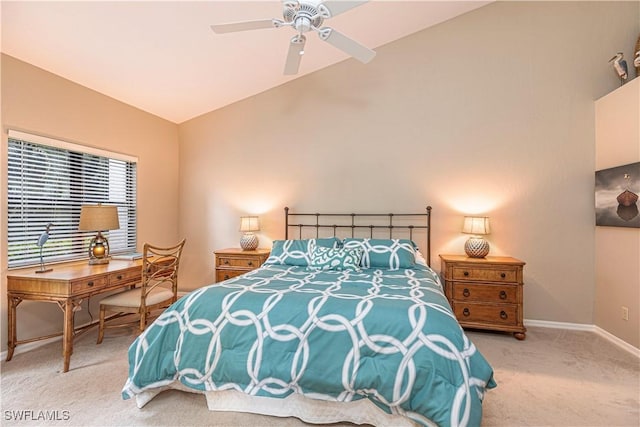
(98, 218)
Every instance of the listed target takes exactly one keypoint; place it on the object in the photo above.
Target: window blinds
(48, 181)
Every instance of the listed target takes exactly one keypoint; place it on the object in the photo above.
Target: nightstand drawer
(227, 274)
(484, 313)
(485, 292)
(233, 262)
(494, 274)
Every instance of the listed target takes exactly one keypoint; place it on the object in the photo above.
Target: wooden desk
(67, 285)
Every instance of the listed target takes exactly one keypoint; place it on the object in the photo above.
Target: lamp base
(98, 261)
(476, 247)
(249, 242)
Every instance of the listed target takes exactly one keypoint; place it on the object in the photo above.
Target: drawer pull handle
(503, 275)
(503, 315)
(250, 263)
(119, 277)
(226, 277)
(466, 273)
(226, 262)
(467, 312)
(503, 295)
(90, 284)
(466, 292)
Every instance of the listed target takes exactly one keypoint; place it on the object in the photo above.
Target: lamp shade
(98, 217)
(249, 223)
(477, 225)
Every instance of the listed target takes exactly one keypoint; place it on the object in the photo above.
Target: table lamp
(476, 246)
(98, 218)
(249, 224)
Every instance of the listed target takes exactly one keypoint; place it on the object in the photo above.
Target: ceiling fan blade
(344, 43)
(336, 7)
(243, 26)
(296, 49)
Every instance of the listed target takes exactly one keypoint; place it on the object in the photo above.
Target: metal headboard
(353, 223)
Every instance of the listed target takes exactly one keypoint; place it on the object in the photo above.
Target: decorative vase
(249, 242)
(476, 247)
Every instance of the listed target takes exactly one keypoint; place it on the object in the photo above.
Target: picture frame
(616, 196)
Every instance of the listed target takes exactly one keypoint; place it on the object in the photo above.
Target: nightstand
(233, 262)
(485, 293)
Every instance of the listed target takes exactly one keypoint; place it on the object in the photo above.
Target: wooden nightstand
(485, 293)
(233, 262)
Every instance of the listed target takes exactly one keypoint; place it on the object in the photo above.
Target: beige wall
(492, 112)
(36, 101)
(618, 248)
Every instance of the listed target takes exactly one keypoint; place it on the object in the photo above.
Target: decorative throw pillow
(335, 259)
(392, 254)
(298, 252)
(420, 259)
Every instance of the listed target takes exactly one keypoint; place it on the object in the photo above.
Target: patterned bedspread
(387, 336)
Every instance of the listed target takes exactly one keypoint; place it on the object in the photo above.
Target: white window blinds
(48, 181)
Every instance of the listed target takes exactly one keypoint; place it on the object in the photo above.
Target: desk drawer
(89, 285)
(126, 276)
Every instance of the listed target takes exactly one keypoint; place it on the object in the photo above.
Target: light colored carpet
(553, 378)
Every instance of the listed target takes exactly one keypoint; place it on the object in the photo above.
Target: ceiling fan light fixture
(302, 24)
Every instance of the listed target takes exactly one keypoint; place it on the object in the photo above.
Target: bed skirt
(312, 411)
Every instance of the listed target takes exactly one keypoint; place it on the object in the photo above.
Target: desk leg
(13, 334)
(67, 334)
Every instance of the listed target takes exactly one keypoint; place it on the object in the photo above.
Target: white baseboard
(585, 327)
(617, 341)
(560, 325)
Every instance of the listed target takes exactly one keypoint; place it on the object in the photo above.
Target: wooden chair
(159, 288)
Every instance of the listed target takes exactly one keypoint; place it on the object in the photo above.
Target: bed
(328, 329)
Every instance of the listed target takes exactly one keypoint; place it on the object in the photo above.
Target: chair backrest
(160, 268)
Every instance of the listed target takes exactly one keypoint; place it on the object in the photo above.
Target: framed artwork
(617, 192)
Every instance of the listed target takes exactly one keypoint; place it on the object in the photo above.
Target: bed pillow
(420, 259)
(391, 254)
(298, 252)
(339, 259)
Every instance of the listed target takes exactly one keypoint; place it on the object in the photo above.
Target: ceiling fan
(304, 16)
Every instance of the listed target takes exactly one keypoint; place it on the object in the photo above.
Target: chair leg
(143, 320)
(101, 325)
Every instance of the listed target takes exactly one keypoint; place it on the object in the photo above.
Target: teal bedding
(388, 336)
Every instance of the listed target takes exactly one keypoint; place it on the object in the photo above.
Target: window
(48, 181)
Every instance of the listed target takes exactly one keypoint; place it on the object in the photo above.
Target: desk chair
(159, 288)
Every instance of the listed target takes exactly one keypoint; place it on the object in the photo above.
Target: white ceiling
(162, 57)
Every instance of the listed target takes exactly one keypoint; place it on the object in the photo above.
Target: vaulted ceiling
(163, 57)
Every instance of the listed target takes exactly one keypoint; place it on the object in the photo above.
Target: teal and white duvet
(387, 336)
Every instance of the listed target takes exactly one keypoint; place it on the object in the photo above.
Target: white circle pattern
(360, 295)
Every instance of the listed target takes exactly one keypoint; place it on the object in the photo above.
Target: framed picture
(617, 192)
